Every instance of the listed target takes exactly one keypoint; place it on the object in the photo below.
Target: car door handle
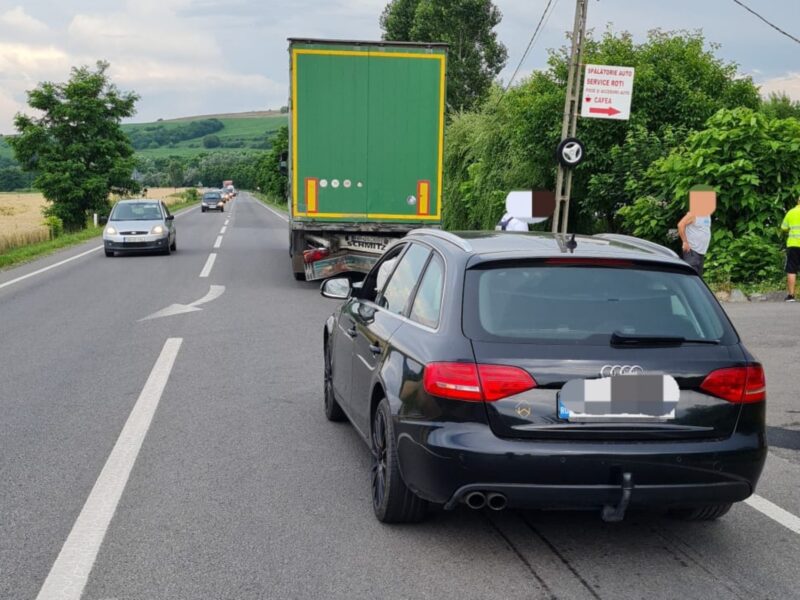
(375, 349)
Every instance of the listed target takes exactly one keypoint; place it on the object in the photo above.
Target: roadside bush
(55, 225)
(190, 195)
(211, 141)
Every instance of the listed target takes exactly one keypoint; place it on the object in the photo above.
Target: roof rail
(446, 236)
(634, 241)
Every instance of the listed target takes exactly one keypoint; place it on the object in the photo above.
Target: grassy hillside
(157, 140)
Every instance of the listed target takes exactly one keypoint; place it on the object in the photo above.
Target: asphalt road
(187, 456)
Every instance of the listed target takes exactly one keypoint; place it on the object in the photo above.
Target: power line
(775, 27)
(542, 19)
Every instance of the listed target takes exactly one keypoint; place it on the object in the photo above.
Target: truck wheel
(299, 276)
(333, 411)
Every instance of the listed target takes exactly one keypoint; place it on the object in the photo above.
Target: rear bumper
(444, 463)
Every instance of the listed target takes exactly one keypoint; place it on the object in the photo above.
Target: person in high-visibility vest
(791, 225)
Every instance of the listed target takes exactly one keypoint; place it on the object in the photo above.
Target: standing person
(695, 227)
(791, 225)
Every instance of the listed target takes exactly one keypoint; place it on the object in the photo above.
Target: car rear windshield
(136, 211)
(542, 303)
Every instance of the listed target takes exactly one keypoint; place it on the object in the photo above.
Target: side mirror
(337, 288)
(171, 218)
(283, 165)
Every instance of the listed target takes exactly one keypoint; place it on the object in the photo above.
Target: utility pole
(571, 107)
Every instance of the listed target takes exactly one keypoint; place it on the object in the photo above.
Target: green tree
(680, 83)
(780, 106)
(175, 173)
(269, 177)
(211, 141)
(76, 145)
(475, 56)
(751, 160)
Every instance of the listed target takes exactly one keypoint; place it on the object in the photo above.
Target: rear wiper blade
(634, 339)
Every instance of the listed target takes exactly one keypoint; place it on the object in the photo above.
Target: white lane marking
(775, 512)
(53, 266)
(273, 211)
(227, 221)
(218, 243)
(70, 572)
(222, 231)
(209, 265)
(214, 292)
(70, 259)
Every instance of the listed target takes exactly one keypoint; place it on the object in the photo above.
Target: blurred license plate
(130, 239)
(619, 398)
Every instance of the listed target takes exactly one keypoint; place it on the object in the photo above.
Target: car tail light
(310, 256)
(737, 384)
(475, 383)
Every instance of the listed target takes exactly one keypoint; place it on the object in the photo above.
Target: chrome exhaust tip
(496, 501)
(475, 500)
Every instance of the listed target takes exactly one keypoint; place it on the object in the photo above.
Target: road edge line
(774, 512)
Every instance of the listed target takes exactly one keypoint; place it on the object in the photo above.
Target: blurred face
(702, 203)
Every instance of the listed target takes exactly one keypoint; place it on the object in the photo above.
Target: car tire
(299, 276)
(109, 253)
(222, 209)
(174, 246)
(392, 501)
(701, 513)
(333, 411)
(167, 250)
(203, 209)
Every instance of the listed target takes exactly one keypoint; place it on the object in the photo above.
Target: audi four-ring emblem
(612, 370)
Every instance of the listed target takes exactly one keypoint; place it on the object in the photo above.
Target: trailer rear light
(310, 256)
(475, 383)
(739, 385)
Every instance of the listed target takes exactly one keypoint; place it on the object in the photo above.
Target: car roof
(131, 200)
(483, 246)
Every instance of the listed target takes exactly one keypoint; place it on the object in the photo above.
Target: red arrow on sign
(610, 111)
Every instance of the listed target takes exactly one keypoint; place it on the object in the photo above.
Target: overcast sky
(192, 57)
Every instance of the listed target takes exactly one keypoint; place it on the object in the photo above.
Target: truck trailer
(366, 135)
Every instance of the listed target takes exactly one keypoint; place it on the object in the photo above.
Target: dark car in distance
(540, 371)
(212, 201)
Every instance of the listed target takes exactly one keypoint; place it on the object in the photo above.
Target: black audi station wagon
(543, 371)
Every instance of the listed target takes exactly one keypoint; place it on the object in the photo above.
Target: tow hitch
(614, 514)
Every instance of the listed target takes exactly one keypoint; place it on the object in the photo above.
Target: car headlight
(111, 231)
(157, 230)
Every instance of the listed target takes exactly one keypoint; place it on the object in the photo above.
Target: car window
(586, 304)
(428, 302)
(136, 211)
(166, 209)
(376, 278)
(397, 293)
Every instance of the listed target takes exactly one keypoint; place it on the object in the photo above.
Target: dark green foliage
(509, 143)
(268, 176)
(76, 146)
(780, 106)
(211, 141)
(752, 161)
(155, 136)
(475, 56)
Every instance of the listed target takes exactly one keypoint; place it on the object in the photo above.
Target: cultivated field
(22, 223)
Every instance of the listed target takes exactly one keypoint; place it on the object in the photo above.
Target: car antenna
(572, 244)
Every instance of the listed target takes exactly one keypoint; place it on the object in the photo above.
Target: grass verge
(270, 201)
(23, 254)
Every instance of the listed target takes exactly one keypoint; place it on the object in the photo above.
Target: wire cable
(542, 20)
(775, 27)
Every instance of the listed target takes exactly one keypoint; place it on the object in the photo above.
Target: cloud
(16, 19)
(9, 106)
(788, 84)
